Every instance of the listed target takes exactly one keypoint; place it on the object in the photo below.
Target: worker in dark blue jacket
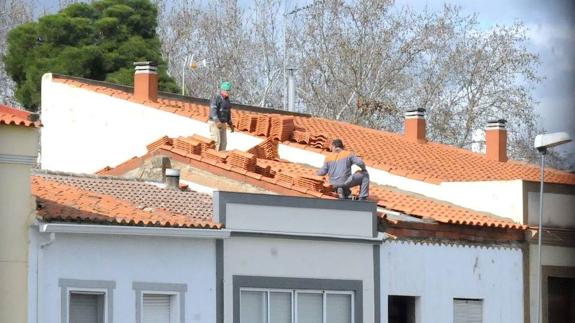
(338, 167)
(221, 116)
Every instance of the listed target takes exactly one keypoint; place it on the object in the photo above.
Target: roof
(17, 117)
(430, 162)
(261, 167)
(106, 200)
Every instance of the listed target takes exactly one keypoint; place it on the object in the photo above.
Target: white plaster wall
(298, 259)
(439, 273)
(299, 220)
(84, 131)
(502, 198)
(558, 209)
(550, 256)
(125, 260)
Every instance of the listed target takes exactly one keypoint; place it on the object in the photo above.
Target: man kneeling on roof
(338, 166)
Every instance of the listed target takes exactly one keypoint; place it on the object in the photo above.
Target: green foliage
(99, 41)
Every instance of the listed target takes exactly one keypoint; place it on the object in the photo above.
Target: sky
(551, 29)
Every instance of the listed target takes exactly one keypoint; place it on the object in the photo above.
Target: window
(86, 301)
(467, 310)
(86, 307)
(401, 309)
(159, 308)
(306, 306)
(160, 302)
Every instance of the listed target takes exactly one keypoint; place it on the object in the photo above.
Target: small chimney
(496, 140)
(146, 81)
(173, 178)
(415, 126)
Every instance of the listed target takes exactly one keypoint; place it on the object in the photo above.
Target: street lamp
(542, 143)
(286, 14)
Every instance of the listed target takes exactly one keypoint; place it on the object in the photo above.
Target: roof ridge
(42, 172)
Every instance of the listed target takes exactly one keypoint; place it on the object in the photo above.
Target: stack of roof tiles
(281, 128)
(215, 156)
(247, 122)
(300, 136)
(263, 125)
(188, 145)
(165, 140)
(310, 182)
(205, 143)
(320, 141)
(267, 149)
(242, 160)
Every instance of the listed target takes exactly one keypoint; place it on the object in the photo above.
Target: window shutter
(467, 311)
(84, 308)
(157, 308)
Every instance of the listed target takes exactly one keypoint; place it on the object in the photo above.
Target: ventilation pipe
(173, 178)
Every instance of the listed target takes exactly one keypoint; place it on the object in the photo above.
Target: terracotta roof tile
(115, 201)
(432, 162)
(12, 116)
(301, 179)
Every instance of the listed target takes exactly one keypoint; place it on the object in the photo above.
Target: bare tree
(12, 14)
(365, 62)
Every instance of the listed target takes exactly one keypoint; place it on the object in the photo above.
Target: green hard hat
(226, 86)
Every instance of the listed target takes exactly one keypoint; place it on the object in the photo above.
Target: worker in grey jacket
(338, 167)
(221, 116)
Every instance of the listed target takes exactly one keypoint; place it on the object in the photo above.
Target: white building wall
(123, 260)
(298, 259)
(84, 131)
(438, 273)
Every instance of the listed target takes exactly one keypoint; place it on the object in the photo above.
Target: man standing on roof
(221, 116)
(338, 167)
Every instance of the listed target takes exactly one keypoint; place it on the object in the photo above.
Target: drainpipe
(41, 247)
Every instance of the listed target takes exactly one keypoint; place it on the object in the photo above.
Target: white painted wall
(439, 273)
(298, 259)
(84, 131)
(299, 220)
(502, 198)
(124, 260)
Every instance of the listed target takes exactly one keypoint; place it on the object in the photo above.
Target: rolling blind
(467, 311)
(85, 308)
(156, 308)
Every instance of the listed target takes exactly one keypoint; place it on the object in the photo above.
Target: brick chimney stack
(496, 140)
(414, 129)
(146, 81)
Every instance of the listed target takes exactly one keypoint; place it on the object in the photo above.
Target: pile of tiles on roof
(262, 159)
(278, 127)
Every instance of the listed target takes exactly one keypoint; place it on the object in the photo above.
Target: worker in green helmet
(221, 116)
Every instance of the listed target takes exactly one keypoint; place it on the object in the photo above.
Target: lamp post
(286, 14)
(542, 143)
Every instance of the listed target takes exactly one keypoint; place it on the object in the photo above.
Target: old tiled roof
(12, 116)
(121, 202)
(430, 162)
(295, 179)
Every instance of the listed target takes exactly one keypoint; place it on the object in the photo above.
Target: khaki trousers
(218, 135)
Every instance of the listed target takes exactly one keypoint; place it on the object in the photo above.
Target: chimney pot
(415, 125)
(146, 81)
(496, 140)
(173, 178)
